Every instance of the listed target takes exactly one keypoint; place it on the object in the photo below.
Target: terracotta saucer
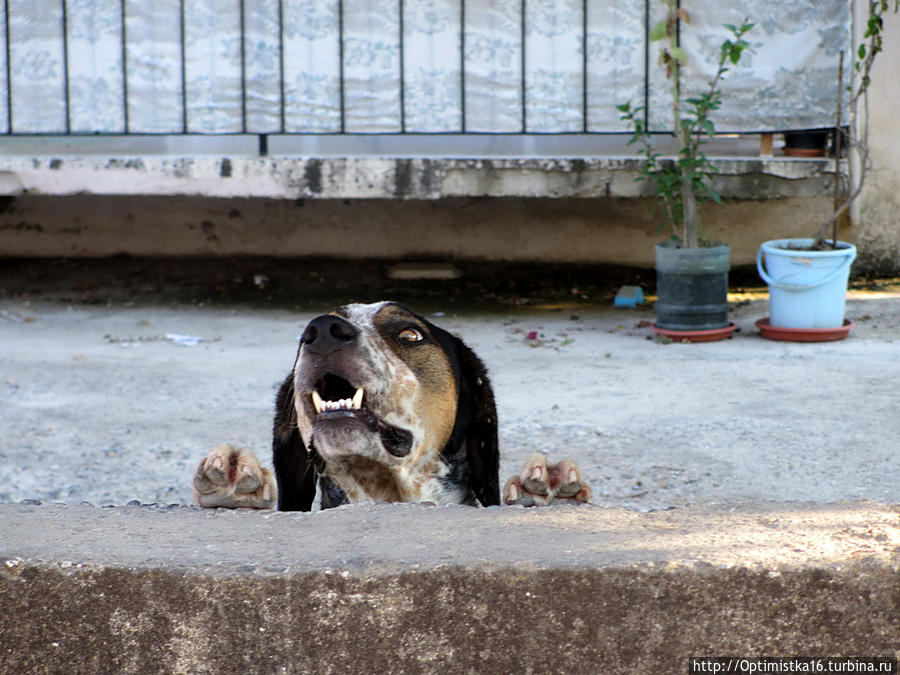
(804, 152)
(803, 334)
(697, 335)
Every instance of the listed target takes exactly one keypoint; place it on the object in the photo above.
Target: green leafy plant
(685, 181)
(858, 135)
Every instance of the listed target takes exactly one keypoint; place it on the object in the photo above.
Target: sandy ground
(104, 403)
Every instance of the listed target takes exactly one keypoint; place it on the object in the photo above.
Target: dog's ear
(476, 421)
(293, 468)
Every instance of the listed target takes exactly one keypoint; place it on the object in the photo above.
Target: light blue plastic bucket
(807, 289)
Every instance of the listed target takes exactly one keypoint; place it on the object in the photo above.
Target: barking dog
(382, 405)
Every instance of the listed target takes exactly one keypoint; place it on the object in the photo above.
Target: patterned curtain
(414, 66)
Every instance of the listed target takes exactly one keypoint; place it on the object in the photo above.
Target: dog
(382, 406)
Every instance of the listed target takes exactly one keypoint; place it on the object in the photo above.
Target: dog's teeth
(321, 405)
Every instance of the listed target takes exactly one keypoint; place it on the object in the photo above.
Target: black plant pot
(692, 287)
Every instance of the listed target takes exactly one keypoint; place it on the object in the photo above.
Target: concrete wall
(414, 589)
(879, 210)
(551, 210)
(620, 231)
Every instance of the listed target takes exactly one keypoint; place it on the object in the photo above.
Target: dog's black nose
(328, 333)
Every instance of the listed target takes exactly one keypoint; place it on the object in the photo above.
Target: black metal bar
(281, 62)
(584, 66)
(462, 65)
(124, 68)
(647, 64)
(208, 134)
(402, 74)
(523, 84)
(9, 107)
(184, 107)
(341, 65)
(243, 71)
(65, 38)
(675, 130)
(263, 145)
(678, 70)
(677, 24)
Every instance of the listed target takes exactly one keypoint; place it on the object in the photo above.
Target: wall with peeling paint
(395, 208)
(878, 226)
(602, 230)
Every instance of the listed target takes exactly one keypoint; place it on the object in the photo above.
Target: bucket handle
(780, 285)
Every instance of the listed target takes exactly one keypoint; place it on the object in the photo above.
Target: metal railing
(33, 105)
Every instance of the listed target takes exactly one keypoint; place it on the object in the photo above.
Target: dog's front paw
(233, 478)
(540, 484)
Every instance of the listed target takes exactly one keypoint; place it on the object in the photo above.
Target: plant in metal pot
(807, 278)
(691, 273)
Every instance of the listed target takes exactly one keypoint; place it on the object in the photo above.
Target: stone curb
(410, 588)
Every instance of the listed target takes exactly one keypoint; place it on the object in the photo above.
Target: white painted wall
(878, 221)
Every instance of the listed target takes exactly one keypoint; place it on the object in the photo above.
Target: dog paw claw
(542, 484)
(230, 477)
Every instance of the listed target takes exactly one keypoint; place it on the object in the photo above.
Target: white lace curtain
(416, 66)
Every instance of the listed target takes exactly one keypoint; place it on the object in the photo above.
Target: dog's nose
(328, 333)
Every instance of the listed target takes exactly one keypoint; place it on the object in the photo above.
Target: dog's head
(391, 407)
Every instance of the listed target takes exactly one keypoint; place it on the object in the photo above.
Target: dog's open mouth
(335, 400)
(335, 393)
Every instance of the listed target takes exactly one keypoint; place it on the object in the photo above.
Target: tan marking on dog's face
(427, 381)
(408, 383)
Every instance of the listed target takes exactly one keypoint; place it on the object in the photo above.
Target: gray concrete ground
(379, 539)
(106, 404)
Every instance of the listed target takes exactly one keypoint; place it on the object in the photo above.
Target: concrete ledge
(410, 588)
(560, 210)
(388, 177)
(603, 230)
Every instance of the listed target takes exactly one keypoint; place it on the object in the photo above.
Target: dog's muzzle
(337, 402)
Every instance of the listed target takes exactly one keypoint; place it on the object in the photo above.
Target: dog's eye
(410, 335)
